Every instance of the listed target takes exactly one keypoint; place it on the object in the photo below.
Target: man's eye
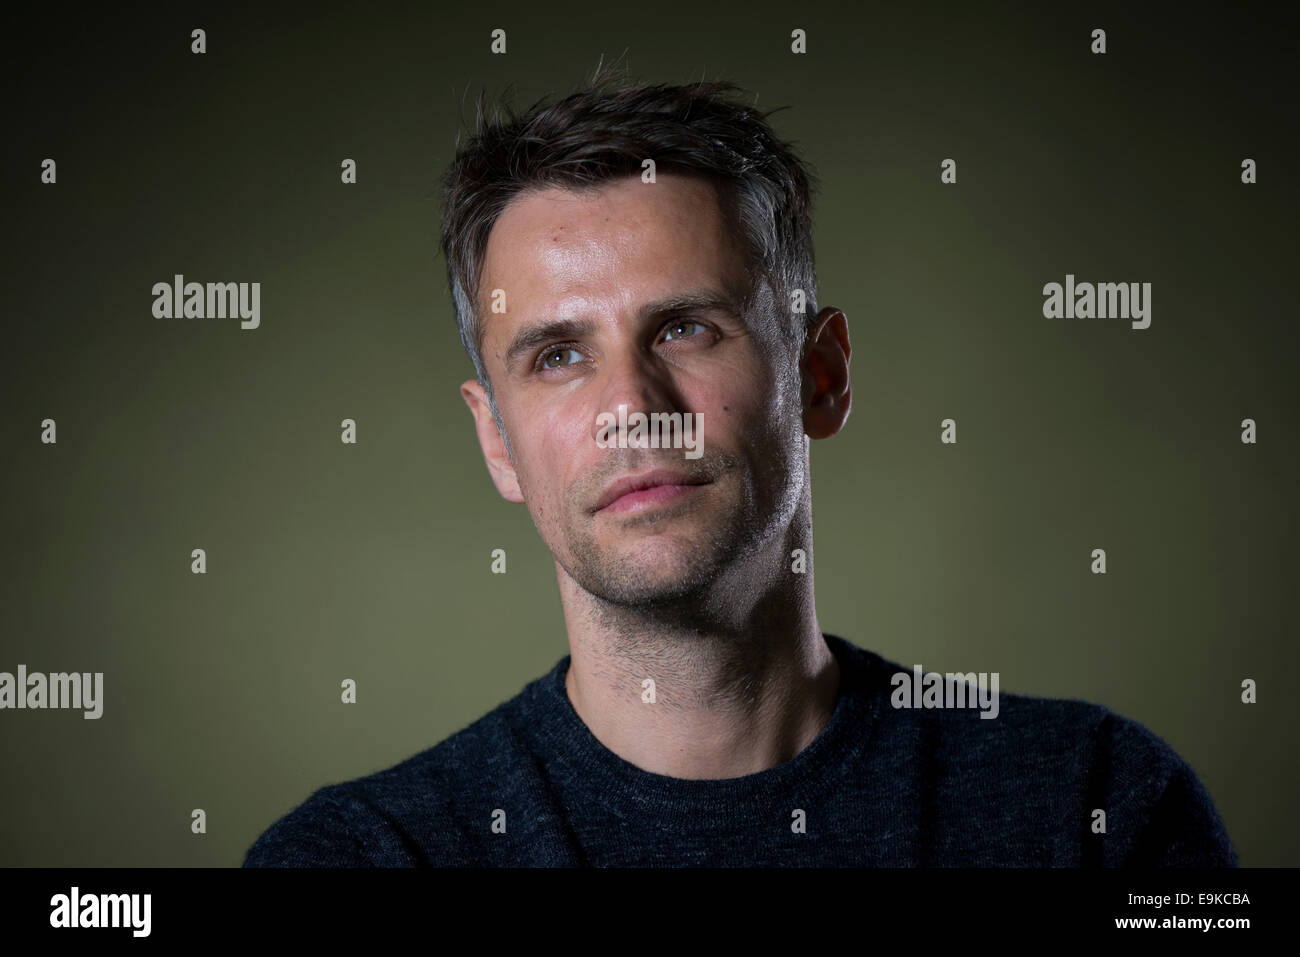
(554, 358)
(557, 353)
(676, 329)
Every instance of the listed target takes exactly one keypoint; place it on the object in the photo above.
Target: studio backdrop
(269, 539)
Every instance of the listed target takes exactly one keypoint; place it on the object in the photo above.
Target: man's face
(603, 263)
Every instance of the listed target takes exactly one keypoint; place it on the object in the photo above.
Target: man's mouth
(646, 490)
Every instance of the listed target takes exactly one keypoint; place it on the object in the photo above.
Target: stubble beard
(712, 545)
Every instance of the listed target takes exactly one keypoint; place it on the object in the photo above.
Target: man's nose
(638, 382)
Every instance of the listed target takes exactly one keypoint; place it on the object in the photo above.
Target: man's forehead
(540, 217)
(572, 246)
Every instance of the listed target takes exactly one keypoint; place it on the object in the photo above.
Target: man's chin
(657, 576)
(648, 596)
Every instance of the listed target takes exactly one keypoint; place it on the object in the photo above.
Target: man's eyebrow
(703, 300)
(533, 337)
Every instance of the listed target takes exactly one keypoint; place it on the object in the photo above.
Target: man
(702, 717)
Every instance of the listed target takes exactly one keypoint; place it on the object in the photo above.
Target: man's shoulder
(1024, 723)
(1145, 804)
(422, 810)
(1065, 759)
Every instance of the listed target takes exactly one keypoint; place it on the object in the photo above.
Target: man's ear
(824, 374)
(489, 439)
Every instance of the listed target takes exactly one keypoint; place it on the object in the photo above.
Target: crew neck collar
(575, 756)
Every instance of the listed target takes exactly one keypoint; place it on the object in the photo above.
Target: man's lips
(660, 485)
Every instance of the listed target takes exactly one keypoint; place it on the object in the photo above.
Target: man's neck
(717, 700)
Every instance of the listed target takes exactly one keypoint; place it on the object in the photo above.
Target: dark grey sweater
(529, 785)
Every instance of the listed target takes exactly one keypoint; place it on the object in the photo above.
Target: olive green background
(371, 561)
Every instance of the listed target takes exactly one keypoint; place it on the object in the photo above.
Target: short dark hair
(605, 131)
